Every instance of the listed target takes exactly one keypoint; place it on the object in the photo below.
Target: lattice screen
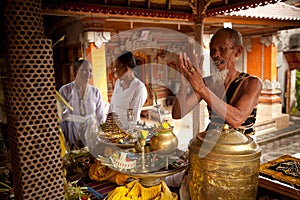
(31, 105)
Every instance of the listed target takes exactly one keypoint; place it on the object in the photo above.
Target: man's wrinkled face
(222, 51)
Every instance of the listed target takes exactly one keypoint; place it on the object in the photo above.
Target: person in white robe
(88, 107)
(129, 92)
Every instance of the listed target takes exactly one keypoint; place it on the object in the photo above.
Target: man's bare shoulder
(253, 82)
(250, 89)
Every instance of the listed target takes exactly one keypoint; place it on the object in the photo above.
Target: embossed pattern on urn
(228, 170)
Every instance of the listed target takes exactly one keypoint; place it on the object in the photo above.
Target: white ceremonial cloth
(133, 97)
(77, 121)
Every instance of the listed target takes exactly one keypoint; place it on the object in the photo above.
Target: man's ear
(239, 50)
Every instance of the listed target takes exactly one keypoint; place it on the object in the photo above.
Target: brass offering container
(224, 164)
(165, 141)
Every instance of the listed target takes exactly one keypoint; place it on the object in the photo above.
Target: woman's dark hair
(79, 62)
(127, 59)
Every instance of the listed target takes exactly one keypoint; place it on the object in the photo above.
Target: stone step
(265, 125)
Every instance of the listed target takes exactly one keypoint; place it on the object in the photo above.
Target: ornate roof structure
(279, 10)
(120, 15)
(153, 8)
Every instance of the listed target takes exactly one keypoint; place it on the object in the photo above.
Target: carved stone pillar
(269, 112)
(270, 103)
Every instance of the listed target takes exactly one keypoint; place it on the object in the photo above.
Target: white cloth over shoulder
(74, 123)
(133, 97)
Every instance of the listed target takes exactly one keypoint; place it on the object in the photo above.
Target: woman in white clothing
(88, 107)
(129, 92)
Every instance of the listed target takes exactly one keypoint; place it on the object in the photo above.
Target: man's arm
(184, 103)
(243, 105)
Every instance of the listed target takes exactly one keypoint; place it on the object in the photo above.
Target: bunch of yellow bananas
(135, 191)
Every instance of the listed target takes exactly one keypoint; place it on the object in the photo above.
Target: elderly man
(236, 106)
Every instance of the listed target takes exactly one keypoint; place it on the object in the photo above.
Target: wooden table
(278, 187)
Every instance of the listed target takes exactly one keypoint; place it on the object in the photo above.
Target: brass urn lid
(225, 143)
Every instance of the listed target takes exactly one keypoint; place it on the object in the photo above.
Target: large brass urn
(224, 164)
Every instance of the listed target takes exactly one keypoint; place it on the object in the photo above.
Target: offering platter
(162, 165)
(123, 145)
(153, 157)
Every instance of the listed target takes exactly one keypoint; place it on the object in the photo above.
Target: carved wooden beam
(201, 7)
(193, 5)
(169, 2)
(148, 3)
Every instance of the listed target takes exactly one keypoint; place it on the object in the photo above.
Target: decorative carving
(207, 3)
(140, 40)
(30, 104)
(269, 40)
(175, 48)
(268, 85)
(248, 44)
(97, 37)
(286, 36)
(193, 5)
